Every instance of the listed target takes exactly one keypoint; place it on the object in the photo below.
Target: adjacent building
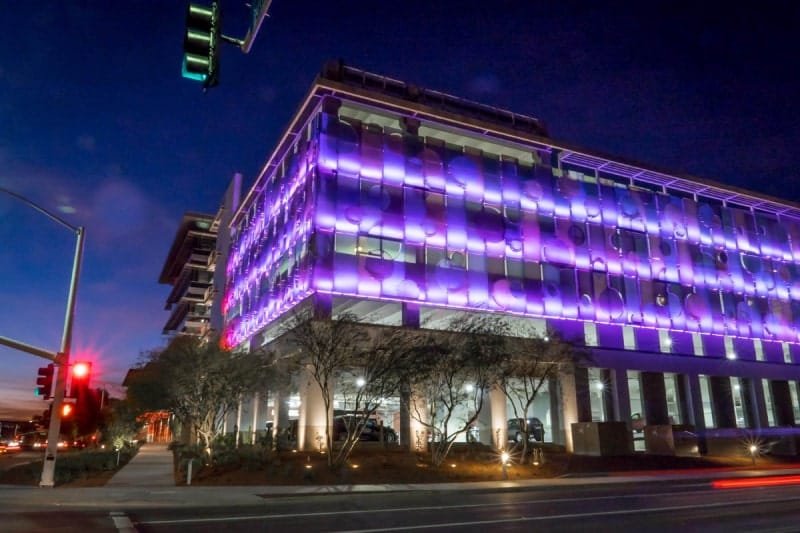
(189, 269)
(407, 206)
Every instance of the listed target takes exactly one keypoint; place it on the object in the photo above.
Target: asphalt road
(671, 505)
(8, 460)
(660, 507)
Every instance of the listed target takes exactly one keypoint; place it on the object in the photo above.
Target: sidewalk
(151, 467)
(146, 482)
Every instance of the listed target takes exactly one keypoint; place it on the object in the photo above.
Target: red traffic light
(80, 374)
(81, 370)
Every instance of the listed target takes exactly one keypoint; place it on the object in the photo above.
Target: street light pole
(61, 359)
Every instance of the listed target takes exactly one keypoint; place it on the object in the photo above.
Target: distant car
(535, 429)
(371, 431)
(9, 445)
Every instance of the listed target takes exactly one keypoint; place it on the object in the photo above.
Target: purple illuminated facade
(383, 193)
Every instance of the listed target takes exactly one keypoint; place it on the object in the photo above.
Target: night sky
(97, 125)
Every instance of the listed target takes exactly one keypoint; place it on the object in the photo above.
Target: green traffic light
(200, 53)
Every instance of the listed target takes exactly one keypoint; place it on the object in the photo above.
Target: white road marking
(563, 516)
(122, 522)
(450, 507)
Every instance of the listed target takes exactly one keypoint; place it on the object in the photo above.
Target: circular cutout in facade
(576, 234)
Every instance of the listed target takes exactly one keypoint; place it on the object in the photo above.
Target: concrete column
(405, 436)
(280, 415)
(278, 405)
(752, 415)
(323, 306)
(556, 419)
(760, 407)
(569, 407)
(782, 403)
(238, 426)
(722, 401)
(621, 395)
(312, 420)
(580, 388)
(418, 408)
(684, 399)
(607, 396)
(498, 425)
(256, 400)
(410, 318)
(654, 395)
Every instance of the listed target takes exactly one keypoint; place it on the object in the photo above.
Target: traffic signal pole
(61, 359)
(62, 364)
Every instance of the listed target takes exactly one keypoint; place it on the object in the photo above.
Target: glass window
(369, 245)
(598, 388)
(434, 256)
(346, 244)
(628, 338)
(759, 349)
(697, 344)
(768, 402)
(787, 354)
(496, 265)
(738, 391)
(637, 409)
(730, 353)
(793, 386)
(476, 262)
(533, 270)
(673, 397)
(590, 333)
(514, 268)
(664, 341)
(705, 395)
(391, 249)
(410, 252)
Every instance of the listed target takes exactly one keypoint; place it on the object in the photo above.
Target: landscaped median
(373, 463)
(91, 467)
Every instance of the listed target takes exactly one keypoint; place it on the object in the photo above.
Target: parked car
(371, 432)
(535, 429)
(637, 422)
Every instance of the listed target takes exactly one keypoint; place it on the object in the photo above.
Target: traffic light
(66, 410)
(201, 44)
(44, 383)
(81, 372)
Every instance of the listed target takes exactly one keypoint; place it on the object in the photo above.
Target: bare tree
(452, 376)
(362, 363)
(530, 364)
